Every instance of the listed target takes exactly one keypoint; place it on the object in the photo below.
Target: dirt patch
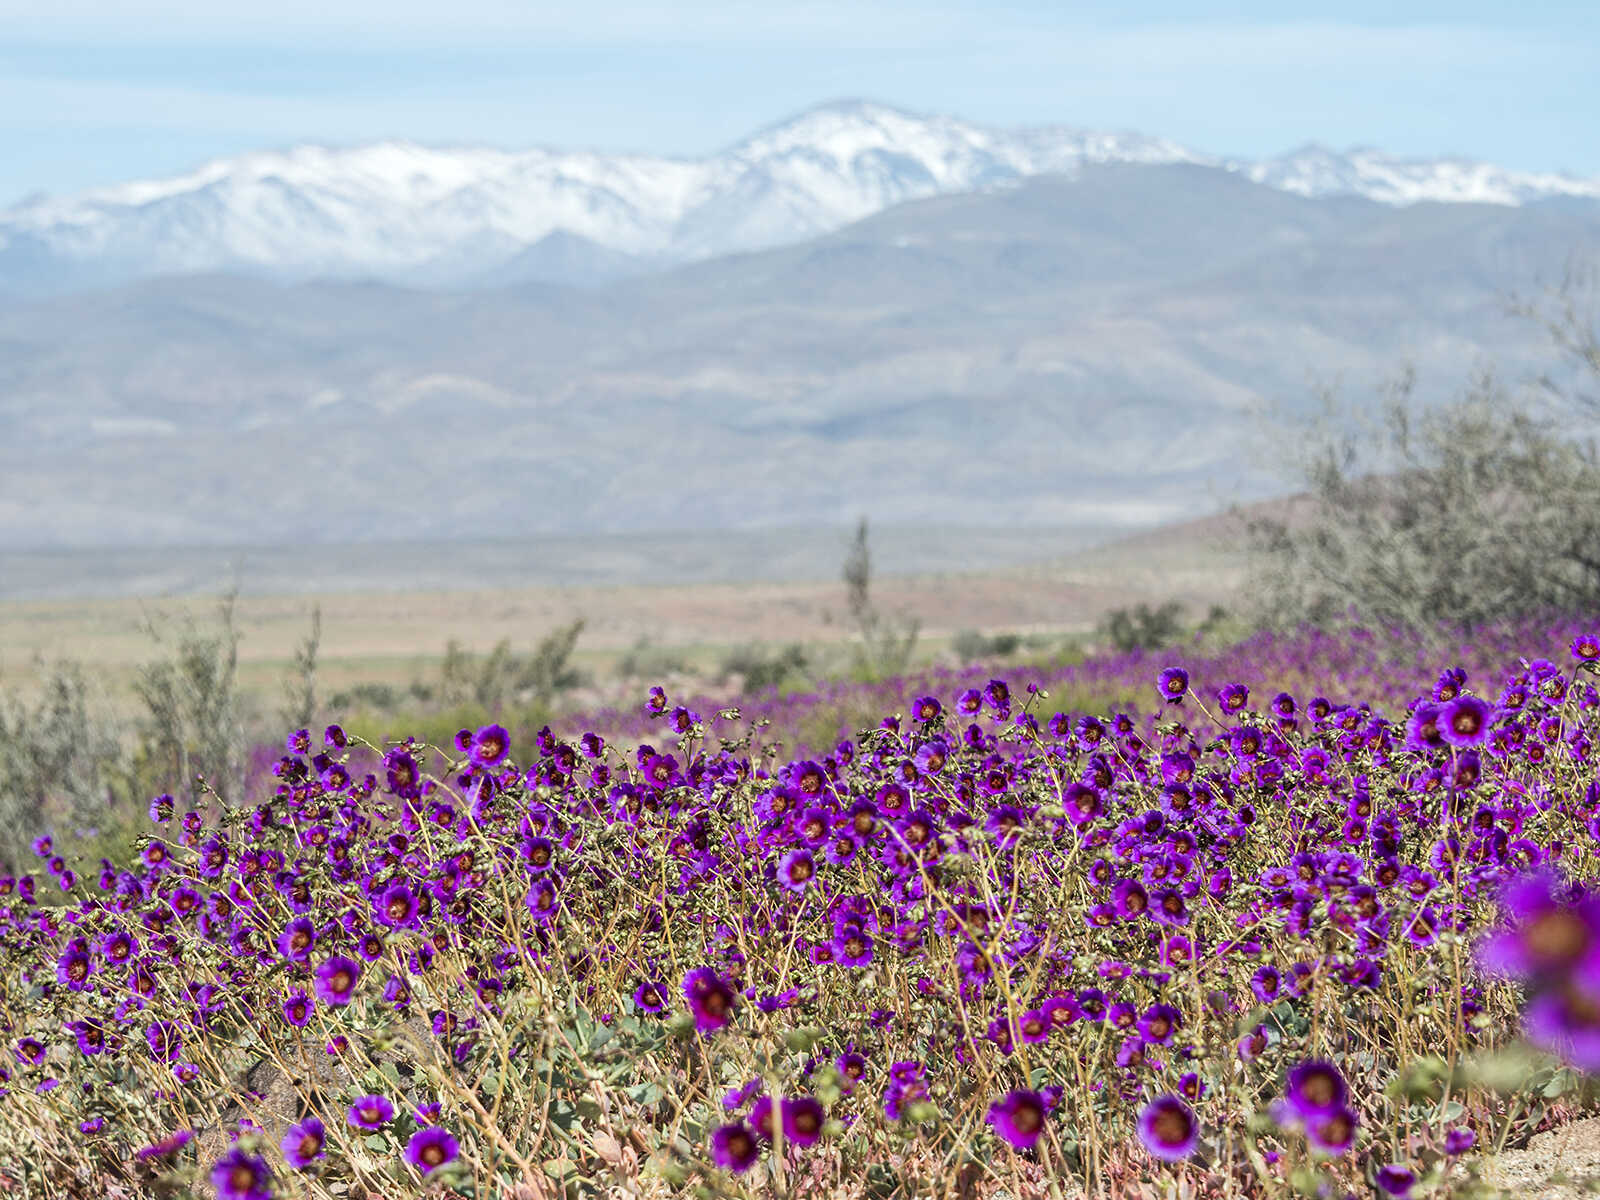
(1559, 1164)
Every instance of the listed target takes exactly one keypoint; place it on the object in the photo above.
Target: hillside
(1087, 350)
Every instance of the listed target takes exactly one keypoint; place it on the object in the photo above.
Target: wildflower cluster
(980, 939)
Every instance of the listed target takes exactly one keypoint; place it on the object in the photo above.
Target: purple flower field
(1306, 916)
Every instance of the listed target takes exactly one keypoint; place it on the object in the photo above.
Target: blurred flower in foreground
(1551, 945)
(1168, 1128)
(241, 1176)
(1317, 1103)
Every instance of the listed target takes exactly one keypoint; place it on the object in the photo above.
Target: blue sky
(95, 91)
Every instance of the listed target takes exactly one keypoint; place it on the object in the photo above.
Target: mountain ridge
(463, 216)
(1088, 348)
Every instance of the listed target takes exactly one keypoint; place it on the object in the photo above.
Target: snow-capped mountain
(1318, 171)
(410, 213)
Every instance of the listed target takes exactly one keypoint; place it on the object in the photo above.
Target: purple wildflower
(297, 1009)
(371, 1112)
(1395, 1180)
(802, 1121)
(431, 1148)
(241, 1176)
(304, 1143)
(1332, 1133)
(1465, 721)
(1018, 1117)
(711, 1000)
(1316, 1088)
(166, 1147)
(1168, 1128)
(490, 745)
(1174, 684)
(337, 979)
(797, 869)
(734, 1147)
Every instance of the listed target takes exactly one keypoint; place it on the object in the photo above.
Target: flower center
(1335, 1130)
(1170, 1127)
(1318, 1089)
(1559, 936)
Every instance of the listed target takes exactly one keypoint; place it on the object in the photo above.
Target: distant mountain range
(1092, 346)
(472, 217)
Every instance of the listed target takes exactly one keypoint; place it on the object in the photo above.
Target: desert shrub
(503, 677)
(368, 694)
(762, 666)
(300, 688)
(970, 645)
(69, 758)
(1569, 312)
(1476, 511)
(61, 757)
(645, 660)
(1143, 627)
(1468, 514)
(193, 721)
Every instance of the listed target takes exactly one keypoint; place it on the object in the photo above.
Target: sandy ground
(1560, 1164)
(378, 634)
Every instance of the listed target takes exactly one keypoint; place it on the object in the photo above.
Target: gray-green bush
(1467, 514)
(193, 724)
(503, 677)
(1483, 509)
(59, 758)
(762, 666)
(970, 645)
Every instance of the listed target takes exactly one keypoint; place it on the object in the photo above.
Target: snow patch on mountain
(412, 213)
(1318, 171)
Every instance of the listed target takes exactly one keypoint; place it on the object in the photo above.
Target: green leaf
(648, 1092)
